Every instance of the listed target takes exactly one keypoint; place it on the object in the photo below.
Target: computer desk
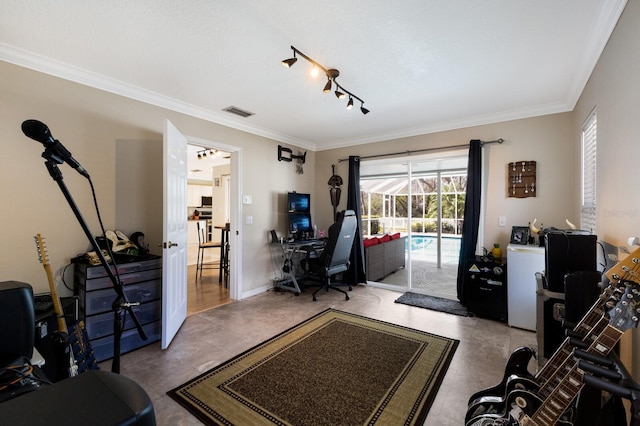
(292, 252)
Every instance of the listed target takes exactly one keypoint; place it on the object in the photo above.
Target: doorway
(422, 198)
(208, 206)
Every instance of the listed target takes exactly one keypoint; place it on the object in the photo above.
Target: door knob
(169, 245)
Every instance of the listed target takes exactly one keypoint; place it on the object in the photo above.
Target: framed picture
(520, 235)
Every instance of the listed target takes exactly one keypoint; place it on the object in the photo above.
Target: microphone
(39, 131)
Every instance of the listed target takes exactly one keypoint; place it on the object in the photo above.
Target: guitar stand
(610, 375)
(120, 305)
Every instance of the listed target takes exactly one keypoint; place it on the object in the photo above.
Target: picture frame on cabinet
(520, 235)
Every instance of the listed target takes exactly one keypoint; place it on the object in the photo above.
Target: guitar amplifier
(567, 251)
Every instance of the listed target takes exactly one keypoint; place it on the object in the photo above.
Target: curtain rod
(482, 143)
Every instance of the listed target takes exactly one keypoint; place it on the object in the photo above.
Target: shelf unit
(142, 281)
(521, 179)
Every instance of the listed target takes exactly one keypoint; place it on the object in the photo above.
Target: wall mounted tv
(298, 202)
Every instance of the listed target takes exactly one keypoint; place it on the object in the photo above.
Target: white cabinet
(196, 192)
(524, 262)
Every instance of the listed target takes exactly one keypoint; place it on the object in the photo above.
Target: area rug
(434, 303)
(335, 368)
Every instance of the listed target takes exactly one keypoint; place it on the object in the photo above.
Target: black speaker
(17, 319)
(567, 251)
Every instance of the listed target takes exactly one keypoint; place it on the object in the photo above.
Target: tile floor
(211, 337)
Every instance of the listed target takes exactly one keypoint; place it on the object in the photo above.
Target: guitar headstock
(42, 249)
(625, 308)
(627, 269)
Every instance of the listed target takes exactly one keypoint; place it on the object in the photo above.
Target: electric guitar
(525, 408)
(65, 361)
(591, 325)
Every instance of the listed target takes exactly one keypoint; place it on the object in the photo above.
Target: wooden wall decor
(521, 179)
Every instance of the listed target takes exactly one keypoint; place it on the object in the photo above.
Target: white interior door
(174, 233)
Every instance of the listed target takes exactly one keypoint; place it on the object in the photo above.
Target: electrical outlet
(248, 220)
(502, 221)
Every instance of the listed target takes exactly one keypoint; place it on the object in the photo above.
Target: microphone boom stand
(120, 304)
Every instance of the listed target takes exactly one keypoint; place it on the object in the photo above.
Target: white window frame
(589, 166)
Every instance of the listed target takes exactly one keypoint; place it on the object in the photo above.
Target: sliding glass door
(422, 202)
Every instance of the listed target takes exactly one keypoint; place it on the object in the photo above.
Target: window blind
(589, 143)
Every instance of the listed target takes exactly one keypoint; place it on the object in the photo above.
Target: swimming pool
(425, 247)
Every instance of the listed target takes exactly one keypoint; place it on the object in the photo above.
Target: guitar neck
(57, 305)
(567, 389)
(590, 327)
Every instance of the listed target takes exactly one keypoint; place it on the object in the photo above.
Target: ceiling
(420, 66)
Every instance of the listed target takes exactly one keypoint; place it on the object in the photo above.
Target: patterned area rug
(335, 368)
(434, 303)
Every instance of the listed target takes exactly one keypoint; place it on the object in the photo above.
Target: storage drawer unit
(142, 283)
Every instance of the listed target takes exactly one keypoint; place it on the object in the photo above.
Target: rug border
(419, 418)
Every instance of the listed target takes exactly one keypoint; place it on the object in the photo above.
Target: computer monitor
(300, 223)
(298, 203)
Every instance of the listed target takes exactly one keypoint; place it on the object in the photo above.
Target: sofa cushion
(395, 236)
(368, 242)
(384, 239)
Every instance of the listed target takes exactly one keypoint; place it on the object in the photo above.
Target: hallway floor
(211, 337)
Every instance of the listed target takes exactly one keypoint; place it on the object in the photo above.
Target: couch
(383, 255)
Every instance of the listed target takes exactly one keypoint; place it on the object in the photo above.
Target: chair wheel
(350, 289)
(297, 294)
(347, 297)
(315, 299)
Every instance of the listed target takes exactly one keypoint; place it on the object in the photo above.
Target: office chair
(203, 245)
(334, 259)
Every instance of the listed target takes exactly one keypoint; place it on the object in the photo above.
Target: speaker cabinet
(567, 251)
(17, 319)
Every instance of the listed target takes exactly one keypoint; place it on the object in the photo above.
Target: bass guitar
(65, 360)
(526, 408)
(591, 325)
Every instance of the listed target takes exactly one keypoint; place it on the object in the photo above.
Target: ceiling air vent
(238, 111)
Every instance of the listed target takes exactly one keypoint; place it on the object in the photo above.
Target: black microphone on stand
(39, 131)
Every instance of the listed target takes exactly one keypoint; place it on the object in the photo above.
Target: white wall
(614, 90)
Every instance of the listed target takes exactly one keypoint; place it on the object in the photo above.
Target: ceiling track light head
(331, 74)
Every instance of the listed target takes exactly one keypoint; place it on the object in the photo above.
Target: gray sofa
(384, 258)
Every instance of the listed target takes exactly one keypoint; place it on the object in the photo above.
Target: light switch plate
(502, 221)
(247, 199)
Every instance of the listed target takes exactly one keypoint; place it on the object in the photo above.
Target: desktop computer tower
(567, 251)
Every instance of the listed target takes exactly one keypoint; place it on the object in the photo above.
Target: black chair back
(337, 251)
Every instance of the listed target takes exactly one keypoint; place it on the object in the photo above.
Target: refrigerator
(524, 261)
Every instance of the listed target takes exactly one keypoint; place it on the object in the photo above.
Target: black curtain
(356, 273)
(471, 214)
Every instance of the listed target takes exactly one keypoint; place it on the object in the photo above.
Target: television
(298, 203)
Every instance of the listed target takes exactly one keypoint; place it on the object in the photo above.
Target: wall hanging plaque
(521, 179)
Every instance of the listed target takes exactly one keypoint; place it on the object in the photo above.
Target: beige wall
(89, 123)
(614, 90)
(547, 140)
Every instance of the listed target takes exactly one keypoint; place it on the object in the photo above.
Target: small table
(224, 251)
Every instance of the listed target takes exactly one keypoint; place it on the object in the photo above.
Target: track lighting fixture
(203, 153)
(331, 74)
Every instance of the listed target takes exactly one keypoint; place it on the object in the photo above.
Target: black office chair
(334, 259)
